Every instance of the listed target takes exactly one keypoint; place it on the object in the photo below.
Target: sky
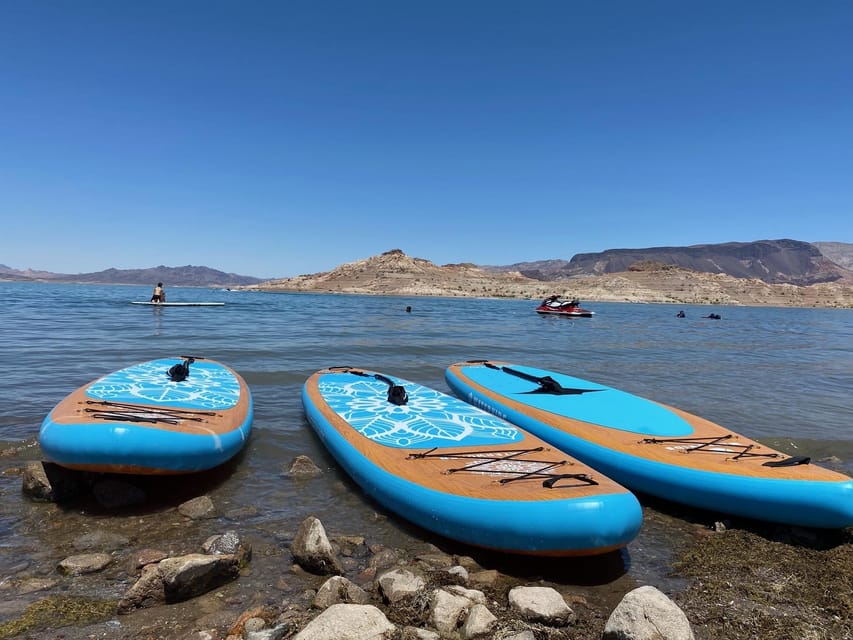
(285, 137)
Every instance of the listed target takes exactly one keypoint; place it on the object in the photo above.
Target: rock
(337, 590)
(541, 604)
(479, 622)
(527, 634)
(199, 508)
(469, 563)
(206, 634)
(415, 633)
(228, 543)
(348, 622)
(384, 558)
(34, 483)
(114, 494)
(399, 584)
(145, 557)
(147, 591)
(352, 546)
(31, 585)
(447, 611)
(311, 549)
(48, 482)
(303, 467)
(477, 597)
(436, 560)
(460, 573)
(647, 614)
(253, 624)
(84, 563)
(236, 628)
(278, 632)
(191, 575)
(484, 578)
(100, 539)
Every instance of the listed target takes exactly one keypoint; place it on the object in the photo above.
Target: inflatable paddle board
(166, 416)
(181, 304)
(462, 473)
(657, 449)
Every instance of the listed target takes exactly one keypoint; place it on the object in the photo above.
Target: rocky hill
(771, 261)
(395, 273)
(841, 253)
(188, 276)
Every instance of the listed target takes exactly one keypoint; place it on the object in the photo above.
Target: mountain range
(771, 261)
(188, 276)
(783, 261)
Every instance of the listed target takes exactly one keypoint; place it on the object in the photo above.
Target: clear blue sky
(283, 137)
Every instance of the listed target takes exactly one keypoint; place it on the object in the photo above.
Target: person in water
(159, 295)
(681, 314)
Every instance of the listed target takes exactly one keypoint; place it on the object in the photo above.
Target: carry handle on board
(396, 393)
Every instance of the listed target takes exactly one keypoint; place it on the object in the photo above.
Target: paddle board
(462, 473)
(657, 449)
(144, 419)
(181, 304)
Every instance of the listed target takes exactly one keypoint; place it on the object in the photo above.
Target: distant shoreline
(706, 290)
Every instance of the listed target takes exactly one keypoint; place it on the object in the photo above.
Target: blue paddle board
(151, 419)
(657, 449)
(460, 472)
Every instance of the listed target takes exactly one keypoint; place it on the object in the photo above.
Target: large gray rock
(191, 575)
(147, 591)
(312, 549)
(348, 622)
(647, 614)
(541, 604)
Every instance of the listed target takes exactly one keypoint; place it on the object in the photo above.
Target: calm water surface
(781, 376)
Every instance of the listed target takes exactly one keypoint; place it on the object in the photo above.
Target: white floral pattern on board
(209, 386)
(429, 419)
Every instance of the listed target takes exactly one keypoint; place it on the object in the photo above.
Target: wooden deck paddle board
(657, 449)
(463, 473)
(139, 420)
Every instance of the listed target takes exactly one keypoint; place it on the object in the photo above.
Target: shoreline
(510, 296)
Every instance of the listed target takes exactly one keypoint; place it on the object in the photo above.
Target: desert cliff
(395, 273)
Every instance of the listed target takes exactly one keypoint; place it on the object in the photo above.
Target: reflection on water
(782, 376)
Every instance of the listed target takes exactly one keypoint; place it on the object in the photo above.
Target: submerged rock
(303, 467)
(84, 563)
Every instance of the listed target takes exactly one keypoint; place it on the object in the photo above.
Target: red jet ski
(557, 306)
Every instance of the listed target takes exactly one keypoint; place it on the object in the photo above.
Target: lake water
(781, 376)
